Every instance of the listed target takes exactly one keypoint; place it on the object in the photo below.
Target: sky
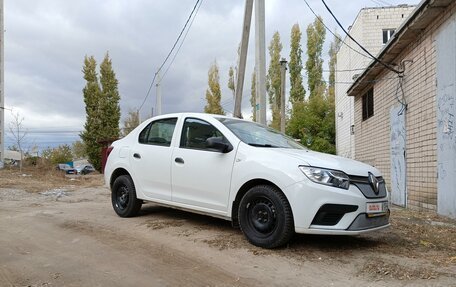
(46, 42)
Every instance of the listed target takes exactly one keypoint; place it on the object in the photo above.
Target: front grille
(363, 222)
(331, 214)
(362, 183)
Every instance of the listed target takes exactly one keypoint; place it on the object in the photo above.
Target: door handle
(137, 155)
(179, 160)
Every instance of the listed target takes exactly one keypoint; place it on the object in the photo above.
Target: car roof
(199, 115)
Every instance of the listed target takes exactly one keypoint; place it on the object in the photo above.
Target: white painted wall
(446, 119)
(367, 30)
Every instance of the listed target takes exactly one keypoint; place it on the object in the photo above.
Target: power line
(182, 42)
(334, 34)
(384, 2)
(169, 54)
(350, 83)
(353, 39)
(347, 70)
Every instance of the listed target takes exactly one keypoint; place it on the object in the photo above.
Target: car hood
(323, 160)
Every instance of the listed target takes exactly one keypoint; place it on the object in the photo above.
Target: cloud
(46, 41)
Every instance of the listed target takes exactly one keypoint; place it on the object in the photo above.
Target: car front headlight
(326, 176)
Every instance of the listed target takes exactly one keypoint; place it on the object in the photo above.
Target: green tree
(273, 83)
(297, 91)
(253, 96)
(109, 101)
(102, 107)
(213, 92)
(92, 126)
(314, 65)
(60, 154)
(333, 48)
(131, 122)
(78, 149)
(231, 84)
(313, 119)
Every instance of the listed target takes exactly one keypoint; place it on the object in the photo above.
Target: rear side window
(158, 132)
(195, 133)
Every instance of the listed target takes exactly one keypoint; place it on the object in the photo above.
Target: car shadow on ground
(170, 217)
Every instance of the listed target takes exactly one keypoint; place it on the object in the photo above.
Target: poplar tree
(109, 101)
(273, 83)
(333, 48)
(213, 92)
(101, 98)
(297, 91)
(314, 65)
(253, 96)
(231, 84)
(131, 122)
(92, 126)
(313, 119)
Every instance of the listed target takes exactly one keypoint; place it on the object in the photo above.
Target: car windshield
(258, 135)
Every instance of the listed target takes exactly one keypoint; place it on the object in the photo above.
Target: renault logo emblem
(373, 181)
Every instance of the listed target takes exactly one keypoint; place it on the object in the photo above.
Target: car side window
(195, 132)
(158, 132)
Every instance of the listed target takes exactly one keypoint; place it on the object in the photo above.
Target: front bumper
(307, 200)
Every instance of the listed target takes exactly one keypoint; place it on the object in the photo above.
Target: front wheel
(123, 197)
(265, 217)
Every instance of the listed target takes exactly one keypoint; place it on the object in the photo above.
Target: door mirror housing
(218, 144)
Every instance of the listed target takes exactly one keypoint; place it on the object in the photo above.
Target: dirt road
(71, 237)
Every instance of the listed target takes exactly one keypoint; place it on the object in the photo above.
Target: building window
(368, 104)
(387, 34)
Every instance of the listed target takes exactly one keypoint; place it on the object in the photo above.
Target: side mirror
(217, 144)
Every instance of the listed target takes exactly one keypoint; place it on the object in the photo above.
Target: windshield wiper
(262, 145)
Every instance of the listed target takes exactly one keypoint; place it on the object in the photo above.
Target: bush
(60, 154)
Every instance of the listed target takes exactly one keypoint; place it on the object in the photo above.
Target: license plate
(376, 208)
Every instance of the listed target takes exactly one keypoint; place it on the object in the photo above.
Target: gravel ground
(60, 231)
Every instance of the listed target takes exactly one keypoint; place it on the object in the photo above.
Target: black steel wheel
(265, 217)
(123, 197)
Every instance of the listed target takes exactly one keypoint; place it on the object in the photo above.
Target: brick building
(404, 123)
(372, 28)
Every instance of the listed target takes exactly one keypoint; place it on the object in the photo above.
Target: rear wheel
(123, 197)
(265, 217)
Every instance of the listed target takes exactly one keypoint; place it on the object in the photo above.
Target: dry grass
(380, 270)
(419, 245)
(39, 179)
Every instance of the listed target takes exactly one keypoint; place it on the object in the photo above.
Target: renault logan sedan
(259, 179)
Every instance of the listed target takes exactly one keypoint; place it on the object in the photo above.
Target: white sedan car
(259, 179)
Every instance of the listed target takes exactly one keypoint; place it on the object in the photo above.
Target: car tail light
(109, 150)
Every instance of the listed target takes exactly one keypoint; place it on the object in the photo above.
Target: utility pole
(158, 100)
(243, 58)
(283, 69)
(2, 86)
(260, 61)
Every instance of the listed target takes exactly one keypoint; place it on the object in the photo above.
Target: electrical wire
(384, 2)
(182, 42)
(402, 102)
(334, 34)
(169, 54)
(350, 83)
(347, 70)
(361, 46)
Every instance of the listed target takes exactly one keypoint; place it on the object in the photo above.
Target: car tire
(123, 197)
(265, 217)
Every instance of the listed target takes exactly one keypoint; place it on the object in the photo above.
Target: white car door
(151, 159)
(200, 176)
